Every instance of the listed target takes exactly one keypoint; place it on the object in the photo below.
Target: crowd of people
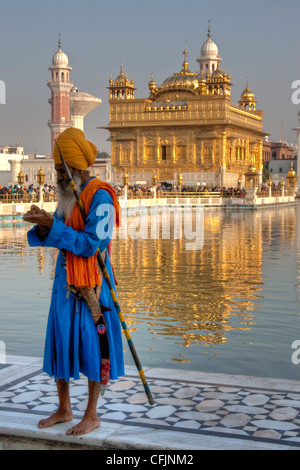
(31, 192)
(147, 191)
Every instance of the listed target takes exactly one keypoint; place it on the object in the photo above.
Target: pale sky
(258, 39)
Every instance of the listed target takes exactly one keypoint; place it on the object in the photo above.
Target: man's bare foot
(85, 426)
(58, 417)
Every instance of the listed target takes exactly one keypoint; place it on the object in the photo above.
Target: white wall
(5, 178)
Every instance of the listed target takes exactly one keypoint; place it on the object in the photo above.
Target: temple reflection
(198, 296)
(185, 296)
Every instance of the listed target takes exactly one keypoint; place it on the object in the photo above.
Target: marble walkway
(192, 410)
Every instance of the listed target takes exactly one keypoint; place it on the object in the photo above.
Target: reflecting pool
(230, 307)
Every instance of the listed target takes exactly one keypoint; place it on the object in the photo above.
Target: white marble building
(12, 164)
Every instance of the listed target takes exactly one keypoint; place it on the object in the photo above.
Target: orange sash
(82, 271)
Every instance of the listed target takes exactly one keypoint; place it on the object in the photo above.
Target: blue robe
(72, 343)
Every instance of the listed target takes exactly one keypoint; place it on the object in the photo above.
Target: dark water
(230, 307)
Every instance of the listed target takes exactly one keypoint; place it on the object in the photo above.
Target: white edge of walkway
(20, 431)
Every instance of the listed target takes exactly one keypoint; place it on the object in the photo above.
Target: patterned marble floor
(190, 403)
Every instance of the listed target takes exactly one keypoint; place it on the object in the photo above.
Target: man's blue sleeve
(97, 232)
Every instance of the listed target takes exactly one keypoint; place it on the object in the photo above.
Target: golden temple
(188, 125)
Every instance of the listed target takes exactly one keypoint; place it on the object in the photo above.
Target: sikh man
(72, 343)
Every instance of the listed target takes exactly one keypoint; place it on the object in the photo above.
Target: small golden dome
(251, 168)
(152, 84)
(247, 99)
(218, 73)
(247, 94)
(121, 79)
(292, 172)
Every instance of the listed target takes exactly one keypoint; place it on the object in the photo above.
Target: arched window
(62, 77)
(207, 154)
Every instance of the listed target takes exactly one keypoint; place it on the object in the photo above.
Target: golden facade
(187, 125)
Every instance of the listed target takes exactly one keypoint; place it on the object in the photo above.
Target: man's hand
(40, 217)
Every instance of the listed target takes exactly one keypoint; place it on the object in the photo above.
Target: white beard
(66, 197)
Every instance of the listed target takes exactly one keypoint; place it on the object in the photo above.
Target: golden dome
(292, 172)
(218, 73)
(247, 94)
(186, 80)
(183, 79)
(247, 100)
(152, 84)
(121, 79)
(251, 168)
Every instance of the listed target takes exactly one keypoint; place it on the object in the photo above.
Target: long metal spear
(111, 289)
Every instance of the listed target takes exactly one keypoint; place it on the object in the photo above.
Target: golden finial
(121, 68)
(185, 62)
(152, 85)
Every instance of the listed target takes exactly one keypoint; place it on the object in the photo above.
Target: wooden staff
(111, 289)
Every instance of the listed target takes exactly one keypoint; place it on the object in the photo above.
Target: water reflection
(190, 296)
(174, 298)
(14, 248)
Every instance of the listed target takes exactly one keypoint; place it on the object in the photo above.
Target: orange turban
(76, 150)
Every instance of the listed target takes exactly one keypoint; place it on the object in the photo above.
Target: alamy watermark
(2, 92)
(296, 354)
(166, 222)
(2, 352)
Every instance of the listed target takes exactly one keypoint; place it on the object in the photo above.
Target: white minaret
(68, 105)
(60, 86)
